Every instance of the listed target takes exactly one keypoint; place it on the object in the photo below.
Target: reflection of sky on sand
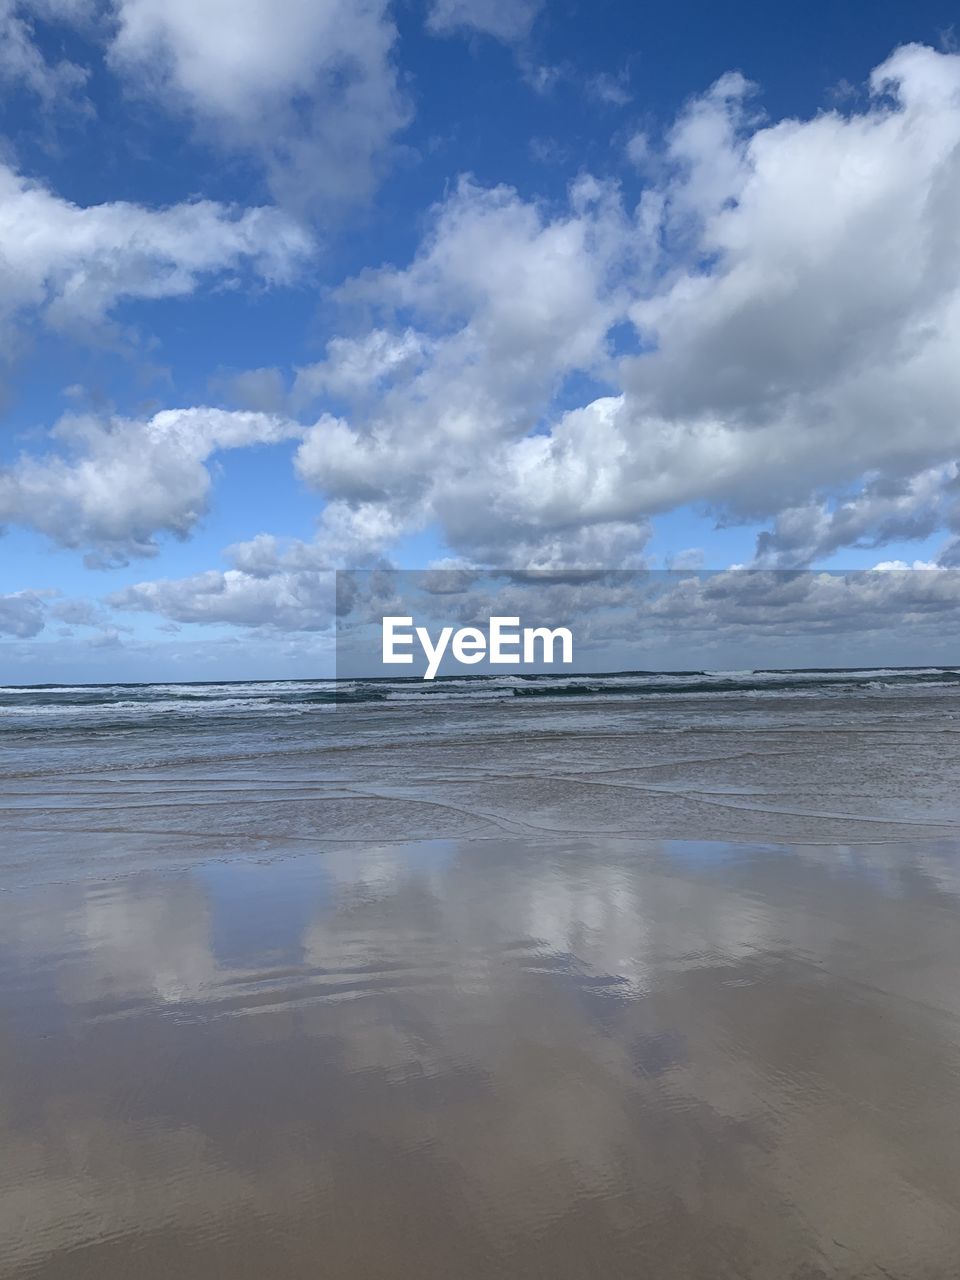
(598, 1055)
(613, 917)
(260, 910)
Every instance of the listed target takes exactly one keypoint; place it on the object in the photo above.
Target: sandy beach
(250, 1030)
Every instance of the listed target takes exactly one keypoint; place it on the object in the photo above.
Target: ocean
(744, 731)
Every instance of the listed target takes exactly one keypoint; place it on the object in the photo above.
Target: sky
(289, 286)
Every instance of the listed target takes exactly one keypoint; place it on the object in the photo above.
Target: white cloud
(819, 345)
(886, 510)
(347, 533)
(762, 603)
(308, 86)
(515, 302)
(286, 593)
(816, 347)
(300, 601)
(357, 368)
(638, 149)
(277, 584)
(21, 62)
(895, 565)
(814, 351)
(72, 265)
(122, 482)
(688, 558)
(794, 291)
(612, 90)
(21, 614)
(507, 20)
(24, 614)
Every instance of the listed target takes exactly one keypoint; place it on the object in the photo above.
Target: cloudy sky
(290, 285)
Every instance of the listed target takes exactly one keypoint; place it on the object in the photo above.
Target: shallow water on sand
(552, 1057)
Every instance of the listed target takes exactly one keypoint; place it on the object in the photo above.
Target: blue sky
(335, 284)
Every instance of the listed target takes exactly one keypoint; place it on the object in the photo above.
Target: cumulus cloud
(507, 20)
(770, 334)
(120, 482)
(511, 302)
(887, 566)
(360, 368)
(688, 558)
(815, 347)
(22, 614)
(273, 583)
(307, 87)
(729, 605)
(72, 265)
(301, 601)
(820, 347)
(886, 510)
(794, 290)
(821, 602)
(752, 616)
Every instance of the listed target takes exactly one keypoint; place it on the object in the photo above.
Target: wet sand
(541, 1055)
(567, 991)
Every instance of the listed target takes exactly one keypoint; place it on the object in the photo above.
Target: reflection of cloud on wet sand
(721, 1043)
(149, 943)
(146, 937)
(589, 1056)
(82, 1179)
